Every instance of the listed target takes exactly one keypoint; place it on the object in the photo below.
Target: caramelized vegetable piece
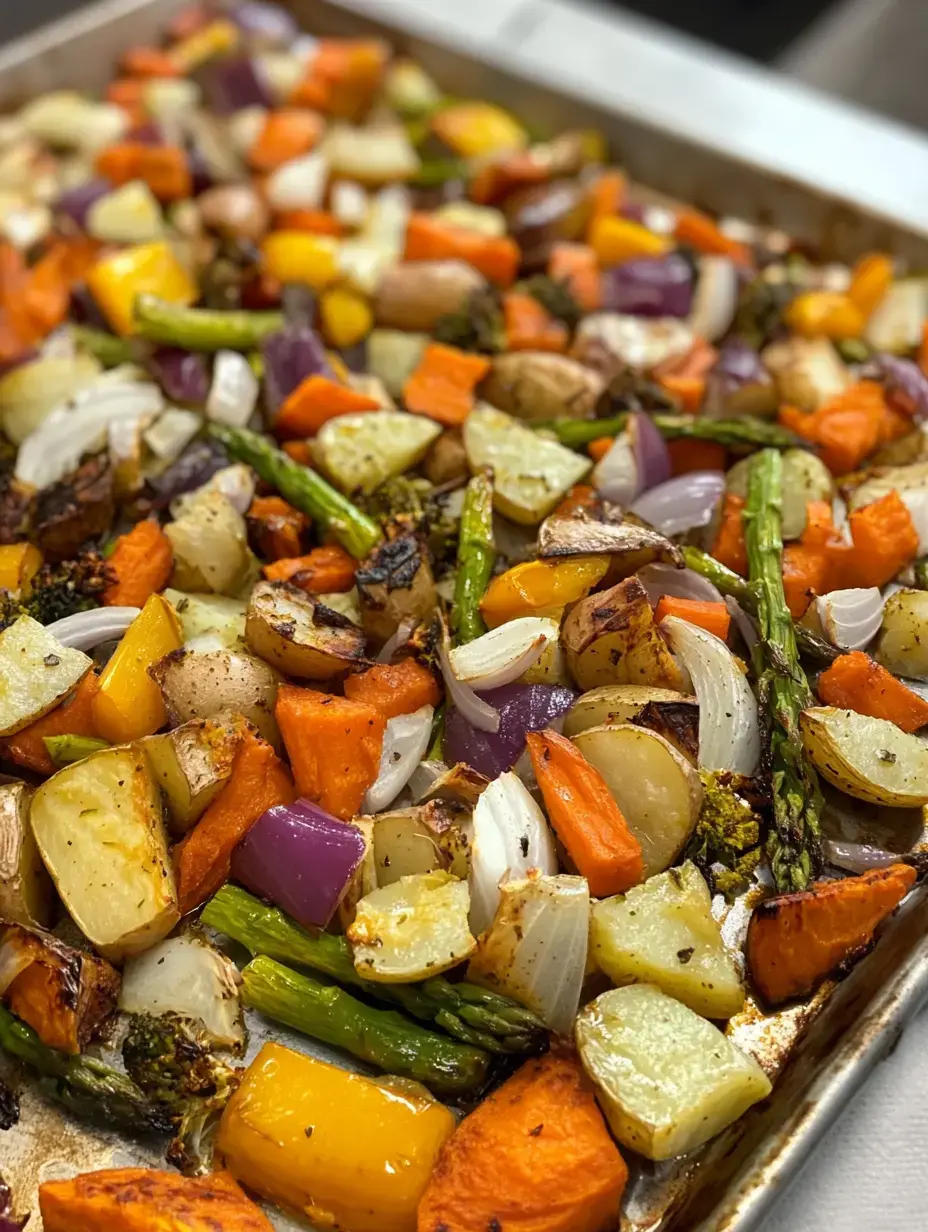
(885, 540)
(443, 384)
(855, 682)
(729, 546)
(326, 570)
(535, 1155)
(540, 588)
(432, 239)
(797, 940)
(142, 561)
(314, 402)
(128, 702)
(713, 617)
(393, 689)
(74, 717)
(275, 528)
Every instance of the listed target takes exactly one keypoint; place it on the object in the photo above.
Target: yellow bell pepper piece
(294, 256)
(346, 317)
(216, 39)
(825, 314)
(474, 130)
(152, 269)
(540, 588)
(343, 1150)
(19, 563)
(128, 703)
(871, 278)
(615, 240)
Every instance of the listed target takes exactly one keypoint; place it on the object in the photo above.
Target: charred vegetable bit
(9, 1115)
(59, 590)
(555, 297)
(476, 558)
(726, 843)
(794, 845)
(478, 326)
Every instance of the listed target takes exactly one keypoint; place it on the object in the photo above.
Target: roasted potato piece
(210, 544)
(27, 895)
(446, 461)
(902, 646)
(36, 672)
(537, 385)
(610, 638)
(98, 826)
(677, 722)
(807, 371)
(618, 703)
(214, 683)
(217, 614)
(64, 994)
(395, 584)
(881, 483)
(422, 839)
(415, 295)
(667, 1080)
(870, 759)
(805, 478)
(69, 513)
(459, 785)
(192, 764)
(656, 788)
(360, 452)
(300, 636)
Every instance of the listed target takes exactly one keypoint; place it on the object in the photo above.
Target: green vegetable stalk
(202, 329)
(107, 348)
(794, 845)
(63, 750)
(921, 573)
(303, 488)
(733, 433)
(471, 1014)
(381, 1037)
(476, 558)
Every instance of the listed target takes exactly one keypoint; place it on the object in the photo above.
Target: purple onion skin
(85, 310)
(198, 463)
(290, 356)
(523, 708)
(300, 858)
(183, 375)
(906, 383)
(739, 384)
(76, 202)
(651, 452)
(234, 84)
(267, 24)
(146, 134)
(650, 287)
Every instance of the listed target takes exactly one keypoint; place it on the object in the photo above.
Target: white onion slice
(236, 483)
(298, 184)
(916, 501)
(234, 390)
(615, 475)
(511, 836)
(15, 957)
(172, 433)
(476, 711)
(729, 731)
(348, 202)
(716, 298)
(504, 654)
(851, 618)
(658, 579)
(856, 857)
(85, 630)
(402, 635)
(683, 503)
(745, 625)
(404, 745)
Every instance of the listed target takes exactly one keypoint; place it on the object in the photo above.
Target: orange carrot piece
(797, 940)
(298, 451)
(73, 717)
(855, 682)
(688, 456)
(275, 528)
(163, 168)
(529, 327)
(313, 222)
(885, 540)
(129, 94)
(714, 617)
(701, 233)
(806, 573)
(576, 265)
(607, 196)
(326, 570)
(343, 77)
(142, 561)
(314, 402)
(846, 428)
(580, 496)
(286, 133)
(501, 176)
(600, 447)
(689, 391)
(148, 62)
(443, 383)
(432, 239)
(729, 546)
(334, 745)
(202, 859)
(394, 688)
(586, 817)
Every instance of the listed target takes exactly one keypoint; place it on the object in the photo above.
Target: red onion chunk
(291, 355)
(193, 468)
(234, 84)
(300, 858)
(739, 384)
(182, 375)
(523, 708)
(268, 24)
(650, 287)
(682, 503)
(651, 452)
(906, 384)
(76, 202)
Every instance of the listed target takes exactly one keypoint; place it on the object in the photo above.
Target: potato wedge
(537, 385)
(27, 895)
(617, 703)
(893, 478)
(209, 614)
(36, 672)
(610, 638)
(98, 826)
(629, 546)
(217, 683)
(656, 788)
(210, 544)
(298, 635)
(902, 646)
(805, 478)
(395, 585)
(360, 452)
(422, 839)
(666, 1079)
(870, 759)
(192, 764)
(663, 933)
(807, 371)
(531, 473)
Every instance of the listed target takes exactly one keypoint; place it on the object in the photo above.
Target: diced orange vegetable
(394, 688)
(128, 93)
(433, 239)
(577, 266)
(163, 168)
(334, 745)
(600, 447)
(607, 195)
(580, 496)
(202, 858)
(326, 570)
(797, 940)
(276, 529)
(855, 682)
(688, 456)
(689, 391)
(846, 428)
(700, 232)
(825, 314)
(443, 383)
(885, 540)
(298, 451)
(148, 62)
(714, 617)
(585, 815)
(343, 77)
(540, 588)
(314, 402)
(729, 547)
(498, 177)
(923, 350)
(286, 133)
(684, 378)
(529, 327)
(313, 222)
(74, 717)
(535, 1156)
(806, 573)
(142, 561)
(871, 278)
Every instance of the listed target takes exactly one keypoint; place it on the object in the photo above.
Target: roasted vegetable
(663, 710)
(36, 672)
(476, 558)
(871, 759)
(360, 452)
(212, 684)
(296, 634)
(395, 587)
(128, 703)
(69, 514)
(192, 764)
(726, 844)
(533, 385)
(901, 646)
(26, 892)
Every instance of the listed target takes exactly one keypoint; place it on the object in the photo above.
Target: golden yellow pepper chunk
(294, 256)
(476, 129)
(346, 317)
(615, 240)
(19, 563)
(128, 702)
(217, 38)
(540, 588)
(825, 314)
(343, 1150)
(150, 269)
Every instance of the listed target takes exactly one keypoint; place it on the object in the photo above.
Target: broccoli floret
(59, 590)
(402, 497)
(478, 326)
(727, 842)
(555, 297)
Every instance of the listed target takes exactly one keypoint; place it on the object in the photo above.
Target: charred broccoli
(727, 842)
(478, 326)
(555, 297)
(59, 590)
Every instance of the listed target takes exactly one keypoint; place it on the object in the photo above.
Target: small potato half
(903, 641)
(205, 685)
(192, 764)
(36, 671)
(298, 635)
(616, 703)
(870, 759)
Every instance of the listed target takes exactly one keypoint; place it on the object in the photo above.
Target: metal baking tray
(707, 128)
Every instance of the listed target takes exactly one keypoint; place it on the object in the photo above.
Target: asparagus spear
(202, 329)
(577, 433)
(465, 1011)
(63, 750)
(476, 558)
(83, 1084)
(303, 488)
(921, 573)
(107, 348)
(794, 845)
(382, 1037)
(729, 583)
